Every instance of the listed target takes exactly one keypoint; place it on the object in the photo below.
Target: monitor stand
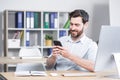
(117, 62)
(115, 76)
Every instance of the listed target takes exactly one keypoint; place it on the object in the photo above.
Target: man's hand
(58, 50)
(55, 51)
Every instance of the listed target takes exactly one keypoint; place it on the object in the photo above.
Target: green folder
(37, 20)
(67, 24)
(46, 20)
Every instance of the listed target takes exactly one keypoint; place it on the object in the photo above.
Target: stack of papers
(30, 73)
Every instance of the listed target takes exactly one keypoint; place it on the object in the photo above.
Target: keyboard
(79, 74)
(2, 77)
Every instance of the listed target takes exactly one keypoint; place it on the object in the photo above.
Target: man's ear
(86, 25)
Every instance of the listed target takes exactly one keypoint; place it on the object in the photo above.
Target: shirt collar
(82, 39)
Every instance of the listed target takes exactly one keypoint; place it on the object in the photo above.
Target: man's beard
(76, 34)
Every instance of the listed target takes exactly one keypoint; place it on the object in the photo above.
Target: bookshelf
(23, 28)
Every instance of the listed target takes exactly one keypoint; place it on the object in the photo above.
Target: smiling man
(78, 51)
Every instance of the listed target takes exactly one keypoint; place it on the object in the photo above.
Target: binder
(37, 20)
(49, 51)
(55, 20)
(31, 19)
(19, 20)
(46, 20)
(27, 38)
(28, 19)
(51, 20)
(62, 33)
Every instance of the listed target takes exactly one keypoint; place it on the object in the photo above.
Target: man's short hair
(80, 13)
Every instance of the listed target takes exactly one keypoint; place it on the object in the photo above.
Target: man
(78, 51)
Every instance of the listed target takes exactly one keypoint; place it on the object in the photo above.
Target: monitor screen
(109, 43)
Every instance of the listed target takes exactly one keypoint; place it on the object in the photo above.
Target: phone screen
(57, 43)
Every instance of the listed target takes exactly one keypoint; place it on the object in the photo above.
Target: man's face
(76, 27)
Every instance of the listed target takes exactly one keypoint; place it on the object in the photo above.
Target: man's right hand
(55, 51)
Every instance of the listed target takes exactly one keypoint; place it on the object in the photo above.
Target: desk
(11, 76)
(15, 60)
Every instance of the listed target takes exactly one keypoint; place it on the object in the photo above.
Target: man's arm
(51, 61)
(85, 63)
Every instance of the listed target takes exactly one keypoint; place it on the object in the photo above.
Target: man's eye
(71, 24)
(77, 24)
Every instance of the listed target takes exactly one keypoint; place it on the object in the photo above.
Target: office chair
(30, 52)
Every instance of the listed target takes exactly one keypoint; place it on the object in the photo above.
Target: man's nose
(72, 27)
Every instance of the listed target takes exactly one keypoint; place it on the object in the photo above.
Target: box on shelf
(13, 43)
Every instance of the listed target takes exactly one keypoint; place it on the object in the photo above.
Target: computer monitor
(109, 43)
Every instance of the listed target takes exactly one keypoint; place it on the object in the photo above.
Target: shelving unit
(31, 28)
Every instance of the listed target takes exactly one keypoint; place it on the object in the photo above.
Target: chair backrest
(30, 52)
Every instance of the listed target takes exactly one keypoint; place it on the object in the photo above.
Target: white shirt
(84, 48)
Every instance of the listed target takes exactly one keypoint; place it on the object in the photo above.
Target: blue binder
(19, 21)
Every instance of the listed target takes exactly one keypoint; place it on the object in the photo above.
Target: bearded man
(78, 52)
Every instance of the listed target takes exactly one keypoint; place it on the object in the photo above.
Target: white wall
(97, 9)
(114, 12)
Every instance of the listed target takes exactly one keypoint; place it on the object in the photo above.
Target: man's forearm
(51, 62)
(89, 65)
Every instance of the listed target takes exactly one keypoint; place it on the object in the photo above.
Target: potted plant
(48, 40)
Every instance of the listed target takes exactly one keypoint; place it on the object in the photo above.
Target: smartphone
(57, 43)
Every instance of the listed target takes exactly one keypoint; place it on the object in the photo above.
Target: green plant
(48, 37)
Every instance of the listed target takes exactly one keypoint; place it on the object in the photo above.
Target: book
(15, 35)
(19, 21)
(22, 38)
(46, 20)
(30, 73)
(21, 34)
